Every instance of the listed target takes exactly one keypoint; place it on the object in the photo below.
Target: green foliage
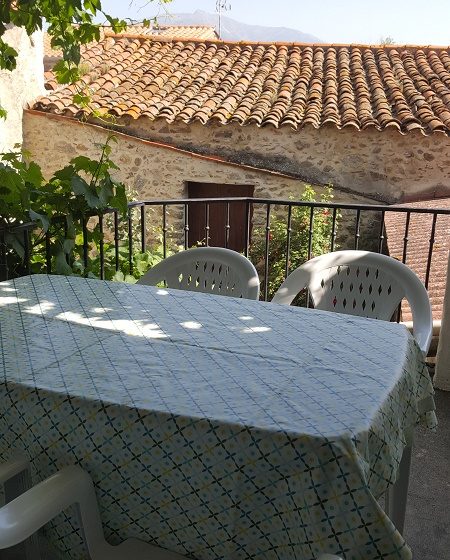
(57, 207)
(8, 56)
(120, 270)
(299, 240)
(71, 23)
(141, 262)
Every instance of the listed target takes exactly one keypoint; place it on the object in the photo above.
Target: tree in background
(387, 41)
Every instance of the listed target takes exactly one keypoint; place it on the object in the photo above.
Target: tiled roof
(202, 32)
(294, 85)
(419, 233)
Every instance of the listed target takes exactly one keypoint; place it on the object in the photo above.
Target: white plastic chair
(28, 512)
(362, 283)
(211, 270)
(23, 516)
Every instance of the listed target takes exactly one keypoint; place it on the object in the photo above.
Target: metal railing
(351, 226)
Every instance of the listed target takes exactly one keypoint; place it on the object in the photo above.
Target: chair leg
(398, 493)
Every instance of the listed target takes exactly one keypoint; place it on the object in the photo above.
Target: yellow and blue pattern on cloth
(215, 427)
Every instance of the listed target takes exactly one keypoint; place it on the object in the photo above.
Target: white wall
(22, 85)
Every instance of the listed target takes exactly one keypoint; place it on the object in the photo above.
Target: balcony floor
(427, 528)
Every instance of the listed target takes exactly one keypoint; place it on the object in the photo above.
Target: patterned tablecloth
(216, 427)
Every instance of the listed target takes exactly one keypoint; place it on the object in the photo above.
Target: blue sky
(345, 21)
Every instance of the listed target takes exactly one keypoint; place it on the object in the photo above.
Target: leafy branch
(58, 206)
(299, 235)
(71, 24)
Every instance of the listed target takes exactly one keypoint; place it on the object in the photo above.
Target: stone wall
(387, 165)
(22, 85)
(152, 171)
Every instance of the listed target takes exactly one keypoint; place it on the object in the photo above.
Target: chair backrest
(362, 283)
(212, 270)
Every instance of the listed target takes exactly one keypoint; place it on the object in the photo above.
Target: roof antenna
(221, 5)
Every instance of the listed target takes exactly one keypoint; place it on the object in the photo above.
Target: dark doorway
(235, 216)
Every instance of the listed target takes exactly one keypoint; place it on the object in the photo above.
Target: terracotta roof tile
(202, 32)
(418, 246)
(407, 88)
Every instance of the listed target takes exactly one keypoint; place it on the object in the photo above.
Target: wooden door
(218, 215)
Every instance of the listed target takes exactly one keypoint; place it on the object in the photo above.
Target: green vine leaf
(71, 230)
(61, 264)
(35, 216)
(80, 187)
(120, 200)
(13, 241)
(33, 175)
(8, 56)
(106, 192)
(65, 72)
(68, 246)
(119, 276)
(83, 163)
(58, 207)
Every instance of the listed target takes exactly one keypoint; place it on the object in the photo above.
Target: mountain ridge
(233, 30)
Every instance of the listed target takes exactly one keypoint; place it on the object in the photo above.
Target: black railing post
(4, 273)
(66, 231)
(143, 229)
(381, 235)
(164, 231)
(310, 232)
(186, 226)
(227, 227)
(85, 241)
(48, 257)
(26, 252)
(357, 228)
(266, 254)
(247, 227)
(430, 251)
(102, 248)
(333, 230)
(116, 240)
(405, 237)
(288, 241)
(207, 228)
(130, 240)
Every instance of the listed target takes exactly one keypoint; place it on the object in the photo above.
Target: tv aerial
(221, 6)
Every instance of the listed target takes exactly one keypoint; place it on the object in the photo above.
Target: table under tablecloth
(216, 427)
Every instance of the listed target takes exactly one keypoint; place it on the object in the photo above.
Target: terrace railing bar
(134, 233)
